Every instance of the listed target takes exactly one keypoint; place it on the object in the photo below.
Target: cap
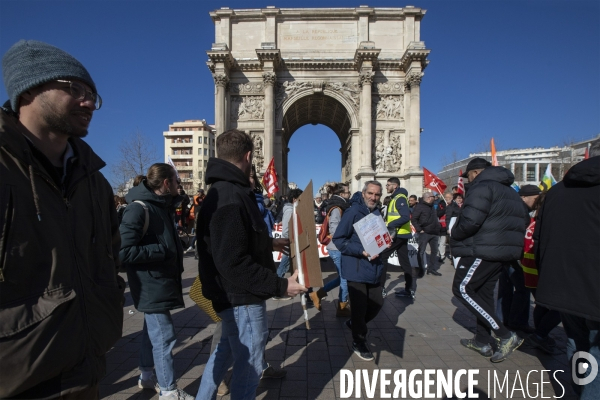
(529, 190)
(476, 163)
(29, 63)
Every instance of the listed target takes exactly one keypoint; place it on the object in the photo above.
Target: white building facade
(190, 144)
(528, 165)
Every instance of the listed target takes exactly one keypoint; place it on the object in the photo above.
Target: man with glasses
(61, 298)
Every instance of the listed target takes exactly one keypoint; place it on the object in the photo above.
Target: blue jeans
(243, 339)
(158, 339)
(336, 256)
(583, 335)
(284, 265)
(513, 308)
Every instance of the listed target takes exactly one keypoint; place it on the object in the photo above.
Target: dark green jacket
(61, 300)
(154, 262)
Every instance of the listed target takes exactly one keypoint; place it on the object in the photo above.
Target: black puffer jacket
(493, 220)
(155, 261)
(567, 238)
(424, 218)
(234, 248)
(453, 210)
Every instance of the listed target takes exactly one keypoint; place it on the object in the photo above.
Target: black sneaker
(349, 324)
(361, 350)
(506, 346)
(406, 293)
(546, 344)
(383, 293)
(431, 272)
(483, 349)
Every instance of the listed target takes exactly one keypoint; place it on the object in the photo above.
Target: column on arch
(269, 79)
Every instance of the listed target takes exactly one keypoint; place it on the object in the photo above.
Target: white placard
(373, 234)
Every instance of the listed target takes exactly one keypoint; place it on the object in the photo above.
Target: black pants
(544, 319)
(400, 246)
(366, 300)
(474, 283)
(433, 241)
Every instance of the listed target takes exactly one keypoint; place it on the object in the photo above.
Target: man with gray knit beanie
(61, 300)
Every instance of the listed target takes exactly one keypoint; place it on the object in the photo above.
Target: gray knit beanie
(29, 63)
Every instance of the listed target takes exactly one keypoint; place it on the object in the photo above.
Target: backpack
(324, 235)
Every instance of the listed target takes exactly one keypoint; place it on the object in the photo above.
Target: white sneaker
(176, 394)
(151, 383)
(189, 249)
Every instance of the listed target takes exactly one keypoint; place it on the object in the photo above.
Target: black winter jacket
(61, 300)
(493, 220)
(234, 248)
(154, 262)
(453, 210)
(424, 218)
(567, 236)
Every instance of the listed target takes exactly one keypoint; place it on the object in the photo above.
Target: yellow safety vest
(393, 214)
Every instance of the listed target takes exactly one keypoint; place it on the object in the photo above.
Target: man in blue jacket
(363, 275)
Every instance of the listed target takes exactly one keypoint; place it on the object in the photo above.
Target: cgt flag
(548, 180)
(433, 182)
(269, 180)
(461, 184)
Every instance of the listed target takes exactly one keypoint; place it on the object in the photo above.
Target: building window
(199, 139)
(199, 152)
(199, 174)
(205, 151)
(531, 173)
(212, 153)
(205, 162)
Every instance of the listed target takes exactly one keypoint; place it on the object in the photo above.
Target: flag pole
(299, 264)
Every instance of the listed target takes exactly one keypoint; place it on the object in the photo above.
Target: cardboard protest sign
(306, 241)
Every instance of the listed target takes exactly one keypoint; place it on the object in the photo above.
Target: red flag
(433, 182)
(587, 152)
(461, 184)
(269, 180)
(494, 158)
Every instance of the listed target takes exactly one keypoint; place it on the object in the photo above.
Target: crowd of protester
(65, 237)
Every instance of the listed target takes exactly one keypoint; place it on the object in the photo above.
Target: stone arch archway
(313, 108)
(355, 70)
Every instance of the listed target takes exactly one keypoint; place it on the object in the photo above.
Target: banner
(269, 180)
(461, 184)
(413, 248)
(548, 180)
(433, 182)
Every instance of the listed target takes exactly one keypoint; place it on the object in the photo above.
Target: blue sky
(524, 72)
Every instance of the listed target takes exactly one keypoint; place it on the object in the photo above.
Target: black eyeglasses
(79, 93)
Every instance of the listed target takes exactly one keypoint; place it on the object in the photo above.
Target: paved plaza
(423, 334)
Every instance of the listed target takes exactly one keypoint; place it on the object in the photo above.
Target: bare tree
(137, 154)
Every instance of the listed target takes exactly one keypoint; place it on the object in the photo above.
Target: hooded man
(236, 268)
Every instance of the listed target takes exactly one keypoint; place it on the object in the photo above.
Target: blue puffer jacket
(355, 266)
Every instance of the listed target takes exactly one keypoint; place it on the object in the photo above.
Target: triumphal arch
(356, 70)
